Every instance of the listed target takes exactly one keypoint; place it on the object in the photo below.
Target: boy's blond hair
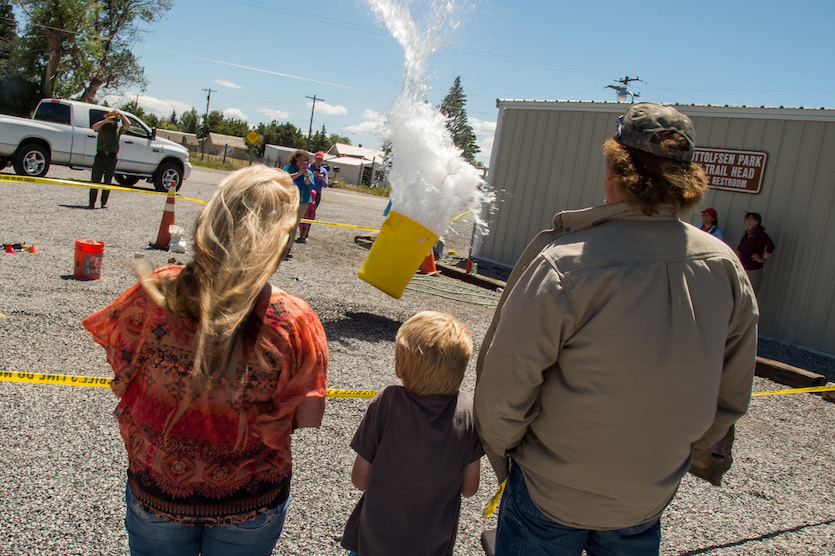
(432, 350)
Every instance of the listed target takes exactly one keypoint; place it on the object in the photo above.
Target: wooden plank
(788, 375)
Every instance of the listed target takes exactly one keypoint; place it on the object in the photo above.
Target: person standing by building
(320, 180)
(710, 223)
(107, 150)
(299, 170)
(754, 249)
(623, 350)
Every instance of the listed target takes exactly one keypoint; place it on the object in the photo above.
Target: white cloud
(224, 83)
(158, 107)
(275, 114)
(329, 109)
(485, 132)
(373, 124)
(234, 113)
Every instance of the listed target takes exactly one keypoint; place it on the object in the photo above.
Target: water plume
(431, 182)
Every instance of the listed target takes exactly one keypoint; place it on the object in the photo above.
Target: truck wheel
(31, 160)
(166, 172)
(127, 181)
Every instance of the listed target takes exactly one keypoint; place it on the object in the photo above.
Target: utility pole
(622, 90)
(312, 109)
(206, 121)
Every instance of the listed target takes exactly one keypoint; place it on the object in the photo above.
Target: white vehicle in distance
(60, 132)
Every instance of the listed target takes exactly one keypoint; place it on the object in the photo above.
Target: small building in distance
(188, 140)
(231, 146)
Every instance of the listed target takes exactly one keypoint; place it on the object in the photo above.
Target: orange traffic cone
(164, 235)
(428, 265)
(33, 250)
(9, 248)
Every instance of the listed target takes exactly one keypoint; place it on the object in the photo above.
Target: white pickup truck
(60, 133)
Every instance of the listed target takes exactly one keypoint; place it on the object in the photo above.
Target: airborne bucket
(396, 254)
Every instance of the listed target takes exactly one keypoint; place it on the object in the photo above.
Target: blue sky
(263, 58)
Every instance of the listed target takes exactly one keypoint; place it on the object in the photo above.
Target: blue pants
(149, 535)
(525, 530)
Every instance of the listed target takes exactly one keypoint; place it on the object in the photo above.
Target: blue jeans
(149, 535)
(525, 530)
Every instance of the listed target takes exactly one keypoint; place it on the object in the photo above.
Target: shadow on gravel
(770, 535)
(362, 326)
(85, 207)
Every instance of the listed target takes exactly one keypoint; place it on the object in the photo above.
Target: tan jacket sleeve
(739, 364)
(533, 325)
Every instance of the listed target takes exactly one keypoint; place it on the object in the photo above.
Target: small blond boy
(417, 448)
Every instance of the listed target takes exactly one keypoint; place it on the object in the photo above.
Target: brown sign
(729, 170)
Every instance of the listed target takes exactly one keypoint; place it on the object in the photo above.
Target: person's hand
(757, 258)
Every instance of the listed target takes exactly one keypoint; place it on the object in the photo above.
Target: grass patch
(215, 162)
(339, 183)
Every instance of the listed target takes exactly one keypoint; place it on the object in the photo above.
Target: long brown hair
(648, 180)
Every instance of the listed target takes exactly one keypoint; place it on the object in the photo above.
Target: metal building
(779, 162)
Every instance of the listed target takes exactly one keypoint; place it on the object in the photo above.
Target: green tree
(334, 139)
(319, 140)
(18, 93)
(172, 119)
(151, 119)
(233, 126)
(189, 121)
(8, 36)
(283, 135)
(53, 28)
(456, 121)
(78, 47)
(133, 107)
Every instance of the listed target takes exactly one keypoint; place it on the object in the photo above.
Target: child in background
(417, 448)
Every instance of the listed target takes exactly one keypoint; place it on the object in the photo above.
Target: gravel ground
(62, 461)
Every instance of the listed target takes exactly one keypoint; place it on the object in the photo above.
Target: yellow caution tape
(797, 390)
(306, 221)
(72, 380)
(88, 185)
(494, 502)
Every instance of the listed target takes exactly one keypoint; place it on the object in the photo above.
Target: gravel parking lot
(62, 460)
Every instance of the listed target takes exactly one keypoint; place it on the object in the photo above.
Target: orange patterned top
(212, 457)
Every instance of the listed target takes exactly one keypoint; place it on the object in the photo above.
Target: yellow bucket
(396, 254)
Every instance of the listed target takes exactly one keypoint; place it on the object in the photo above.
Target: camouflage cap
(644, 120)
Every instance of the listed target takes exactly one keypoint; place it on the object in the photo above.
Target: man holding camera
(107, 150)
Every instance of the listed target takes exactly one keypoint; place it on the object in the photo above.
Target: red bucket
(88, 257)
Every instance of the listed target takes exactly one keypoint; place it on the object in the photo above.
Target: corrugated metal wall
(547, 158)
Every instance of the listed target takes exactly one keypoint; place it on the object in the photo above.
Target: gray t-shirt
(419, 447)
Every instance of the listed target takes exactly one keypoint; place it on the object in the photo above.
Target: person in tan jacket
(622, 351)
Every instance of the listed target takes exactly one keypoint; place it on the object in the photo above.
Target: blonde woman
(215, 368)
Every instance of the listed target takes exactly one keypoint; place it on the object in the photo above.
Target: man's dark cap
(644, 120)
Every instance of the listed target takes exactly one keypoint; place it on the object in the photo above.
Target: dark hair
(297, 155)
(648, 180)
(756, 216)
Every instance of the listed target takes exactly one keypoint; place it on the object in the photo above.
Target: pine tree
(462, 133)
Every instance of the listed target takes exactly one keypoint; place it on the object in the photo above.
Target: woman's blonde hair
(648, 180)
(431, 353)
(240, 238)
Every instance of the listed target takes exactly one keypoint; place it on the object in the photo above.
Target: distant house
(341, 149)
(188, 140)
(276, 156)
(226, 145)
